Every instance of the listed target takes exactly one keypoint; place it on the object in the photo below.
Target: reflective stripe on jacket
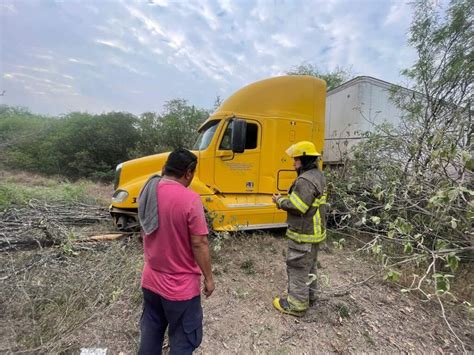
(305, 205)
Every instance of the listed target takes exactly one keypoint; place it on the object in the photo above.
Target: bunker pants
(301, 261)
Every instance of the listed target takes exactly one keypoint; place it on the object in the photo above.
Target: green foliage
(442, 283)
(85, 145)
(179, 124)
(333, 78)
(92, 145)
(248, 266)
(217, 239)
(76, 145)
(67, 246)
(175, 128)
(15, 194)
(410, 186)
(343, 310)
(20, 133)
(392, 275)
(339, 244)
(452, 261)
(148, 128)
(217, 102)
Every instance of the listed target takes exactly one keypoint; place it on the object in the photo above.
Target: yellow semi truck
(241, 154)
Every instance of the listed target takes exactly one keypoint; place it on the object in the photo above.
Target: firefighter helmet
(303, 148)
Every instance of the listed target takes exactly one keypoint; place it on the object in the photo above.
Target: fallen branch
(39, 224)
(103, 237)
(346, 288)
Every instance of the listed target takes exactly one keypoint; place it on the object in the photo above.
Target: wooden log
(102, 237)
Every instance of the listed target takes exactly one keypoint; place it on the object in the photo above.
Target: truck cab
(241, 154)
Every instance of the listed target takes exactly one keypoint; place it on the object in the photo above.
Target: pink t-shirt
(170, 269)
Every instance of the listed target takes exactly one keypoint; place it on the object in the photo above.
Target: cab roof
(283, 96)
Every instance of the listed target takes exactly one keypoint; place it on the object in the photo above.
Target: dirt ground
(100, 304)
(366, 316)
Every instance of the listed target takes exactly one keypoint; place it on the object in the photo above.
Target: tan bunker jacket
(306, 207)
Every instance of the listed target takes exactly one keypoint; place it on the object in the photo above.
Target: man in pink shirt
(176, 253)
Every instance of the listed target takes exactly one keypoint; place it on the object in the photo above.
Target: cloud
(162, 3)
(124, 65)
(44, 56)
(399, 11)
(70, 77)
(22, 77)
(45, 70)
(152, 25)
(177, 46)
(283, 40)
(203, 9)
(113, 44)
(91, 8)
(135, 55)
(8, 8)
(227, 6)
(81, 61)
(40, 85)
(35, 69)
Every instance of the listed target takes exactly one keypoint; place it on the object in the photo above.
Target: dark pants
(183, 319)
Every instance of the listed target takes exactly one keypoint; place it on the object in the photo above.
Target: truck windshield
(205, 136)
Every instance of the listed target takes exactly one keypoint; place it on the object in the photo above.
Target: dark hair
(179, 162)
(308, 162)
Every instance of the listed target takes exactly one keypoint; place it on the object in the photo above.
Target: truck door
(238, 172)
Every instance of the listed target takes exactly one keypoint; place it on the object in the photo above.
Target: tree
(333, 79)
(217, 102)
(80, 144)
(85, 145)
(176, 127)
(76, 145)
(20, 132)
(443, 75)
(148, 127)
(179, 124)
(410, 187)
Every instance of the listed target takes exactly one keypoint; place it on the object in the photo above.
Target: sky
(59, 56)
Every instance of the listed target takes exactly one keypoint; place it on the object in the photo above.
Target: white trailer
(352, 109)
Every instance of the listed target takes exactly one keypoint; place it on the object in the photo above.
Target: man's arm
(200, 245)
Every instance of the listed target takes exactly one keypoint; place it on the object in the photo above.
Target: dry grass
(55, 300)
(17, 188)
(59, 299)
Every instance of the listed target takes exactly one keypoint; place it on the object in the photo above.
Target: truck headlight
(118, 170)
(119, 196)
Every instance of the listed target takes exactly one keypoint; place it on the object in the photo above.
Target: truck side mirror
(239, 134)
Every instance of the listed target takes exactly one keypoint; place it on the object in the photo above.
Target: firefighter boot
(283, 306)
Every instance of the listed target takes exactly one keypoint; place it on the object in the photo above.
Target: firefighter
(305, 207)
